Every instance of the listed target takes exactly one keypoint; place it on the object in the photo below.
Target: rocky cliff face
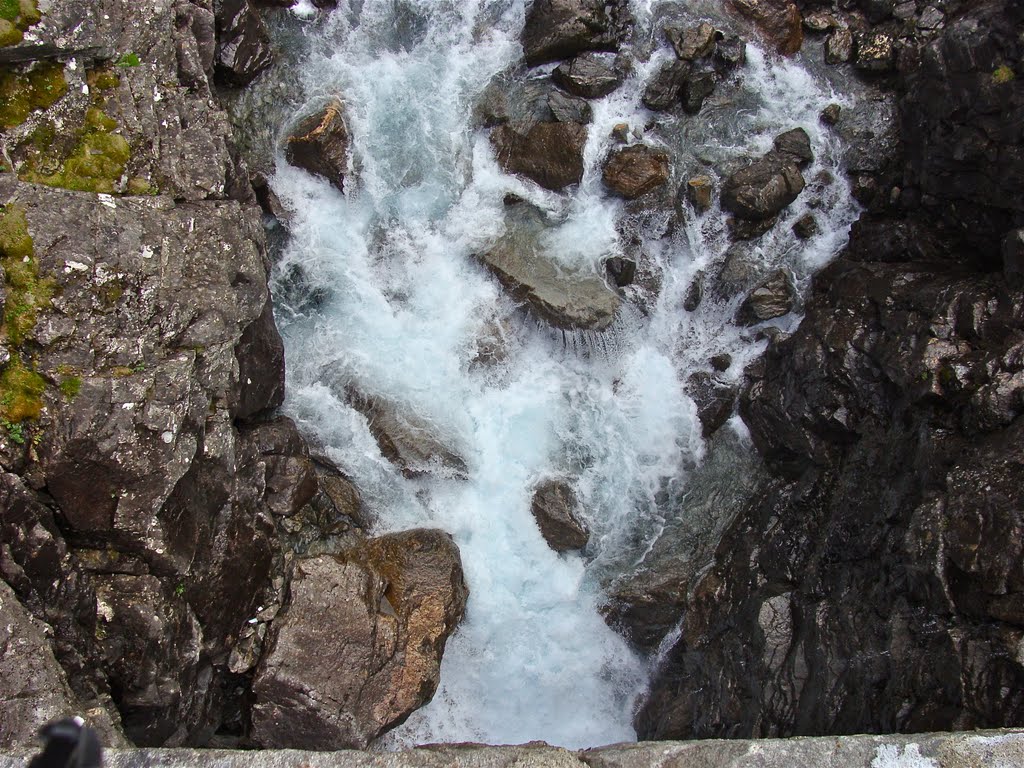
(875, 583)
(151, 505)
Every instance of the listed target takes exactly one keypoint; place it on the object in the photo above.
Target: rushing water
(404, 303)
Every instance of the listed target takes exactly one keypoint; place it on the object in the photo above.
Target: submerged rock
(556, 510)
(633, 171)
(320, 142)
(550, 154)
(406, 440)
(359, 646)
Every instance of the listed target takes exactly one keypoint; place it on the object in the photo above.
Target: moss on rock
(22, 92)
(27, 291)
(21, 392)
(15, 17)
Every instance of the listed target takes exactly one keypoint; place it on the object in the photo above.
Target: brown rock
(634, 171)
(359, 647)
(806, 227)
(778, 20)
(320, 142)
(839, 46)
(796, 145)
(763, 188)
(666, 87)
(556, 511)
(560, 29)
(590, 75)
(774, 297)
(700, 192)
(550, 154)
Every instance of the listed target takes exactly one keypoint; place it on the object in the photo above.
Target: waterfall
(402, 304)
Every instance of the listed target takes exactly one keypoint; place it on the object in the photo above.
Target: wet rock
(694, 294)
(268, 200)
(560, 29)
(777, 20)
(795, 144)
(621, 270)
(556, 510)
(877, 10)
(697, 88)
(562, 298)
(665, 89)
(700, 192)
(830, 114)
(715, 401)
(320, 142)
(550, 154)
(569, 109)
(406, 440)
(876, 52)
(359, 646)
(243, 43)
(773, 297)
(839, 46)
(820, 21)
(620, 132)
(806, 226)
(260, 356)
(730, 53)
(692, 43)
(763, 188)
(633, 171)
(722, 362)
(590, 75)
(749, 229)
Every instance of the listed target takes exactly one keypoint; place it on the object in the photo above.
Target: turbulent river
(403, 303)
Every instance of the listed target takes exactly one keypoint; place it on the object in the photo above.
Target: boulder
(406, 440)
(715, 400)
(590, 75)
(551, 154)
(763, 188)
(876, 52)
(700, 192)
(806, 226)
(291, 480)
(243, 43)
(698, 87)
(796, 145)
(633, 171)
(569, 109)
(319, 143)
(359, 646)
(665, 89)
(777, 20)
(692, 43)
(773, 297)
(839, 46)
(559, 296)
(560, 29)
(556, 510)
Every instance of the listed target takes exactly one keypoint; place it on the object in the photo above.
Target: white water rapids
(405, 302)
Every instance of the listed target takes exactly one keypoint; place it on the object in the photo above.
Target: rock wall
(875, 584)
(152, 505)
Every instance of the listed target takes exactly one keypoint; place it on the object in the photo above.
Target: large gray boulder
(359, 647)
(563, 297)
(590, 75)
(763, 188)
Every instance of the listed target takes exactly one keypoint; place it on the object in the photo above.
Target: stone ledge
(993, 749)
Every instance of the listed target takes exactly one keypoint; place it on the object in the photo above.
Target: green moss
(69, 386)
(23, 92)
(1003, 74)
(140, 186)
(27, 291)
(95, 165)
(99, 120)
(21, 393)
(127, 60)
(103, 79)
(15, 17)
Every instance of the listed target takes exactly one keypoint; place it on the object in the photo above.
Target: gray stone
(773, 297)
(243, 43)
(1013, 257)
(763, 188)
(876, 52)
(692, 43)
(795, 144)
(590, 75)
(665, 89)
(560, 29)
(550, 154)
(839, 46)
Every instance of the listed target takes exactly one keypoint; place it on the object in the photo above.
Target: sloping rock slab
(633, 171)
(556, 510)
(360, 646)
(549, 153)
(563, 298)
(406, 440)
(559, 29)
